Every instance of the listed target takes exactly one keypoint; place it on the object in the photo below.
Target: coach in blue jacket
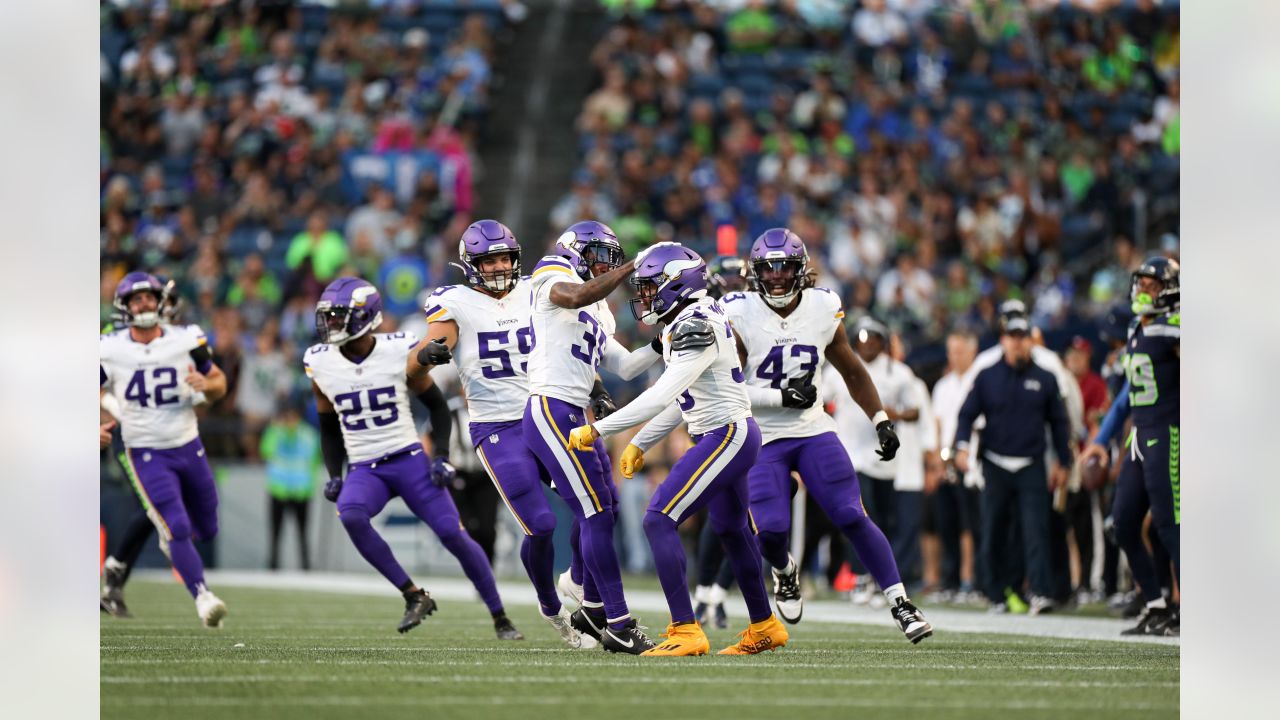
(1018, 398)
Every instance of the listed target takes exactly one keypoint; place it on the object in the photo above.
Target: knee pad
(657, 523)
(849, 514)
(179, 528)
(207, 529)
(353, 516)
(541, 524)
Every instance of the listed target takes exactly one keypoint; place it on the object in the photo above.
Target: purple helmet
(779, 262)
(132, 284)
(727, 273)
(348, 308)
(587, 243)
(482, 239)
(667, 275)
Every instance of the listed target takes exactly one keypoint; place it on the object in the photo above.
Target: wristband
(880, 417)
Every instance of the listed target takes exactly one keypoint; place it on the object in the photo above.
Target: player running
(485, 329)
(785, 330)
(702, 385)
(362, 383)
(156, 375)
(1149, 478)
(573, 331)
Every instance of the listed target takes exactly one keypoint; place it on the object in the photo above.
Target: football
(1093, 474)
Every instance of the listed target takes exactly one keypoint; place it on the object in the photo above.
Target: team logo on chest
(1033, 385)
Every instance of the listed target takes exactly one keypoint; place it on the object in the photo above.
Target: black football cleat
(589, 623)
(722, 618)
(630, 639)
(1152, 621)
(112, 599)
(505, 629)
(417, 605)
(911, 621)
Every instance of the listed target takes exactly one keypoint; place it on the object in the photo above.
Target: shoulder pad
(692, 333)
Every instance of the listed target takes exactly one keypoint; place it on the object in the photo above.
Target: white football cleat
(786, 592)
(864, 590)
(210, 609)
(569, 588)
(563, 625)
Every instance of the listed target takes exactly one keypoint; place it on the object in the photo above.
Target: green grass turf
(321, 655)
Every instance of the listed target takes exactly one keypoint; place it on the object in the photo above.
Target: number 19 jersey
(568, 343)
(492, 354)
(780, 349)
(371, 396)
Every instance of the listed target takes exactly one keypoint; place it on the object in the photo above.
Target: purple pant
(712, 474)
(177, 485)
(829, 477)
(369, 486)
(586, 484)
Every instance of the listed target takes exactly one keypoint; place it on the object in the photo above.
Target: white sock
(790, 568)
(893, 592)
(1157, 604)
(716, 595)
(702, 594)
(592, 605)
(114, 564)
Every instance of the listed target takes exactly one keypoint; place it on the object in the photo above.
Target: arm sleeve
(201, 355)
(625, 363)
(763, 397)
(970, 409)
(1115, 417)
(658, 428)
(441, 419)
(1060, 425)
(331, 445)
(680, 374)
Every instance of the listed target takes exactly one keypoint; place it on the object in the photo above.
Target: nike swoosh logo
(627, 644)
(414, 452)
(1153, 441)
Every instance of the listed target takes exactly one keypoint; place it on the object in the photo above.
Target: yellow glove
(632, 460)
(582, 438)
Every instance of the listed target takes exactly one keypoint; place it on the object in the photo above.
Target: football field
(308, 654)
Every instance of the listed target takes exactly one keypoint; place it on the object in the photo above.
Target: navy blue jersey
(1152, 364)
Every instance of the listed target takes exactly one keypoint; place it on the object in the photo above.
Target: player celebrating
(1149, 479)
(573, 327)
(484, 328)
(140, 367)
(702, 385)
(785, 329)
(362, 382)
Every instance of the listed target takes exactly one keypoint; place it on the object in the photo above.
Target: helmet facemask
(144, 320)
(779, 281)
(333, 322)
(495, 281)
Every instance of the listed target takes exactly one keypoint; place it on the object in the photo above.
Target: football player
(573, 335)
(362, 381)
(156, 374)
(483, 327)
(785, 330)
(703, 386)
(1149, 479)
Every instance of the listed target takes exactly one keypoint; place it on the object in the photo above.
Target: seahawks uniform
(1149, 478)
(386, 458)
(163, 453)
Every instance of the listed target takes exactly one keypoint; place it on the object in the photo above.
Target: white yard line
(944, 620)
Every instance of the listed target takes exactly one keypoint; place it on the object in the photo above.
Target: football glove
(799, 394)
(442, 472)
(632, 460)
(435, 353)
(582, 438)
(602, 405)
(333, 489)
(888, 440)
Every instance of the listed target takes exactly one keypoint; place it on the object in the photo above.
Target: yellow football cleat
(632, 460)
(682, 639)
(765, 635)
(582, 438)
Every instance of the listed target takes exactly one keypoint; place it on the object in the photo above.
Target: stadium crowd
(938, 158)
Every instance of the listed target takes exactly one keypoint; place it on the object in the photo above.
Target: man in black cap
(1017, 398)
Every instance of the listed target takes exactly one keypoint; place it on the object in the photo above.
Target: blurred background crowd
(938, 157)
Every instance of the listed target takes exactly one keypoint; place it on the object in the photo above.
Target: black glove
(601, 404)
(799, 393)
(333, 489)
(656, 344)
(888, 441)
(434, 353)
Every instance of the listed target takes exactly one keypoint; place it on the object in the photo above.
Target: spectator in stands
(315, 256)
(265, 382)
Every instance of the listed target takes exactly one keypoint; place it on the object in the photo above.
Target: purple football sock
(576, 566)
(187, 562)
(538, 553)
(371, 546)
(873, 550)
(744, 555)
(476, 566)
(774, 548)
(669, 558)
(598, 552)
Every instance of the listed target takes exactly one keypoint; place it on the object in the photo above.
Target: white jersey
(780, 349)
(495, 337)
(918, 437)
(568, 344)
(702, 385)
(147, 381)
(893, 381)
(371, 396)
